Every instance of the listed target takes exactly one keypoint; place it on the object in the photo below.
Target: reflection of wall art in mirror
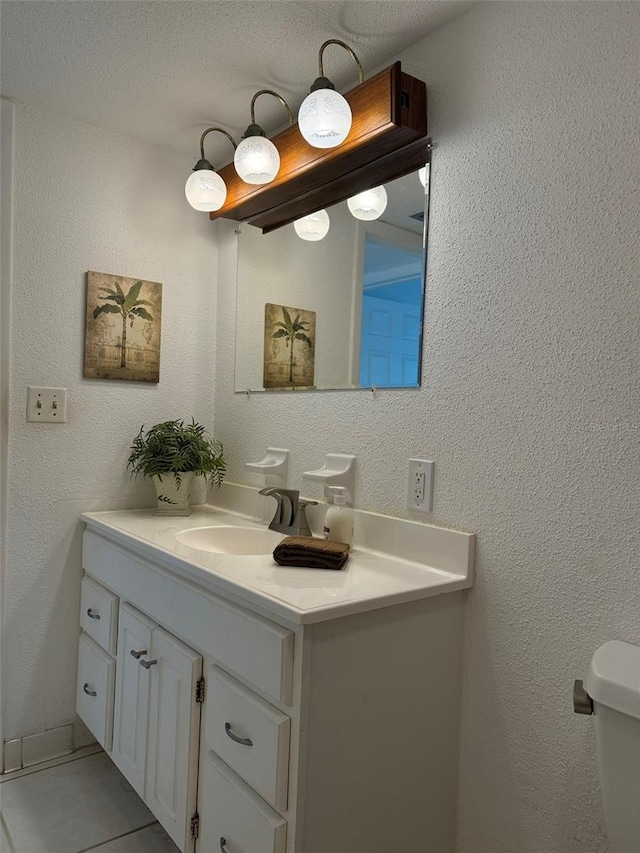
(364, 282)
(289, 347)
(122, 337)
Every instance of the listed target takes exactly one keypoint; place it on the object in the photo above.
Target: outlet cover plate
(420, 485)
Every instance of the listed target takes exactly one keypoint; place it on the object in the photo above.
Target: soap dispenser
(338, 522)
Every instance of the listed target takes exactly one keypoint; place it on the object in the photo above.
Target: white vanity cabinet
(337, 735)
(156, 697)
(148, 696)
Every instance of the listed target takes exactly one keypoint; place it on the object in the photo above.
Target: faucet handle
(287, 506)
(303, 522)
(303, 503)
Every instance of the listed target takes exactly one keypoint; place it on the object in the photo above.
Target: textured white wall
(530, 397)
(87, 199)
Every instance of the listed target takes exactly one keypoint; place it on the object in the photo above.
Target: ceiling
(163, 71)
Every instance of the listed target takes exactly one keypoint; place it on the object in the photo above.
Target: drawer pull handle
(147, 664)
(223, 845)
(245, 741)
(85, 687)
(137, 655)
(92, 615)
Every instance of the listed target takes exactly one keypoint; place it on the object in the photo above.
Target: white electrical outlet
(46, 405)
(420, 487)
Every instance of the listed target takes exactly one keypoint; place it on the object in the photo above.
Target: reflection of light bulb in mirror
(324, 118)
(257, 160)
(205, 190)
(422, 174)
(369, 204)
(313, 227)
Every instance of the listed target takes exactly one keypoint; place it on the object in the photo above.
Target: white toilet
(613, 683)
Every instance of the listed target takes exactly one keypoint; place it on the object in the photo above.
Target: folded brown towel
(311, 553)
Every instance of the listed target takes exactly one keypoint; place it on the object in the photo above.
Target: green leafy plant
(291, 331)
(172, 447)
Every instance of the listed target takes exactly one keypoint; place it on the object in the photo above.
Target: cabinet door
(132, 696)
(174, 730)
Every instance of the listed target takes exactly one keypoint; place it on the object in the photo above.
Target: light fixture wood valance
(388, 138)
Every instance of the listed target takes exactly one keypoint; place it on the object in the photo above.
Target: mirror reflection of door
(391, 312)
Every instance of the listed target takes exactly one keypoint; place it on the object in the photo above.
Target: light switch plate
(46, 405)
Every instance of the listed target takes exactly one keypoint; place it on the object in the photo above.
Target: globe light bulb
(324, 118)
(257, 160)
(313, 227)
(422, 175)
(205, 190)
(368, 205)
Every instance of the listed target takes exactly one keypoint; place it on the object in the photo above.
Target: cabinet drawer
(235, 712)
(258, 651)
(99, 614)
(94, 697)
(233, 817)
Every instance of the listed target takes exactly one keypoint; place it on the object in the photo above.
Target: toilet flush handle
(582, 702)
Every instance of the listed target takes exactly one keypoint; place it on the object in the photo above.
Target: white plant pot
(173, 494)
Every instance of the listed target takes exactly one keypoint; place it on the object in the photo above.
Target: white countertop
(369, 580)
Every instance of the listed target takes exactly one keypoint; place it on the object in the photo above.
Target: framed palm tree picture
(122, 333)
(289, 347)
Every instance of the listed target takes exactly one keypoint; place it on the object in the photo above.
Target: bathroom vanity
(263, 709)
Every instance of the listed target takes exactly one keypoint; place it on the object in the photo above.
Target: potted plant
(172, 454)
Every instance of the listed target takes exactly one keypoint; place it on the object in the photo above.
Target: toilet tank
(613, 683)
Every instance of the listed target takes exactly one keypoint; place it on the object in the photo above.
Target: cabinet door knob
(223, 845)
(147, 664)
(137, 655)
(245, 741)
(89, 692)
(91, 614)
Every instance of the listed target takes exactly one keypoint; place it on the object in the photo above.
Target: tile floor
(83, 804)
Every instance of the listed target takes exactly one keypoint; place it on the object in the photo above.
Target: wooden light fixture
(388, 138)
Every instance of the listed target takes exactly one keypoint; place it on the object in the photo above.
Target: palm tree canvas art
(289, 347)
(122, 339)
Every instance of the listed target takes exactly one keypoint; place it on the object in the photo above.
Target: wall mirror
(341, 312)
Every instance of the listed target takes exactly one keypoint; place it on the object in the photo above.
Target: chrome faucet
(291, 512)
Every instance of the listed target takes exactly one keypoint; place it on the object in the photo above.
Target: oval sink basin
(227, 539)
